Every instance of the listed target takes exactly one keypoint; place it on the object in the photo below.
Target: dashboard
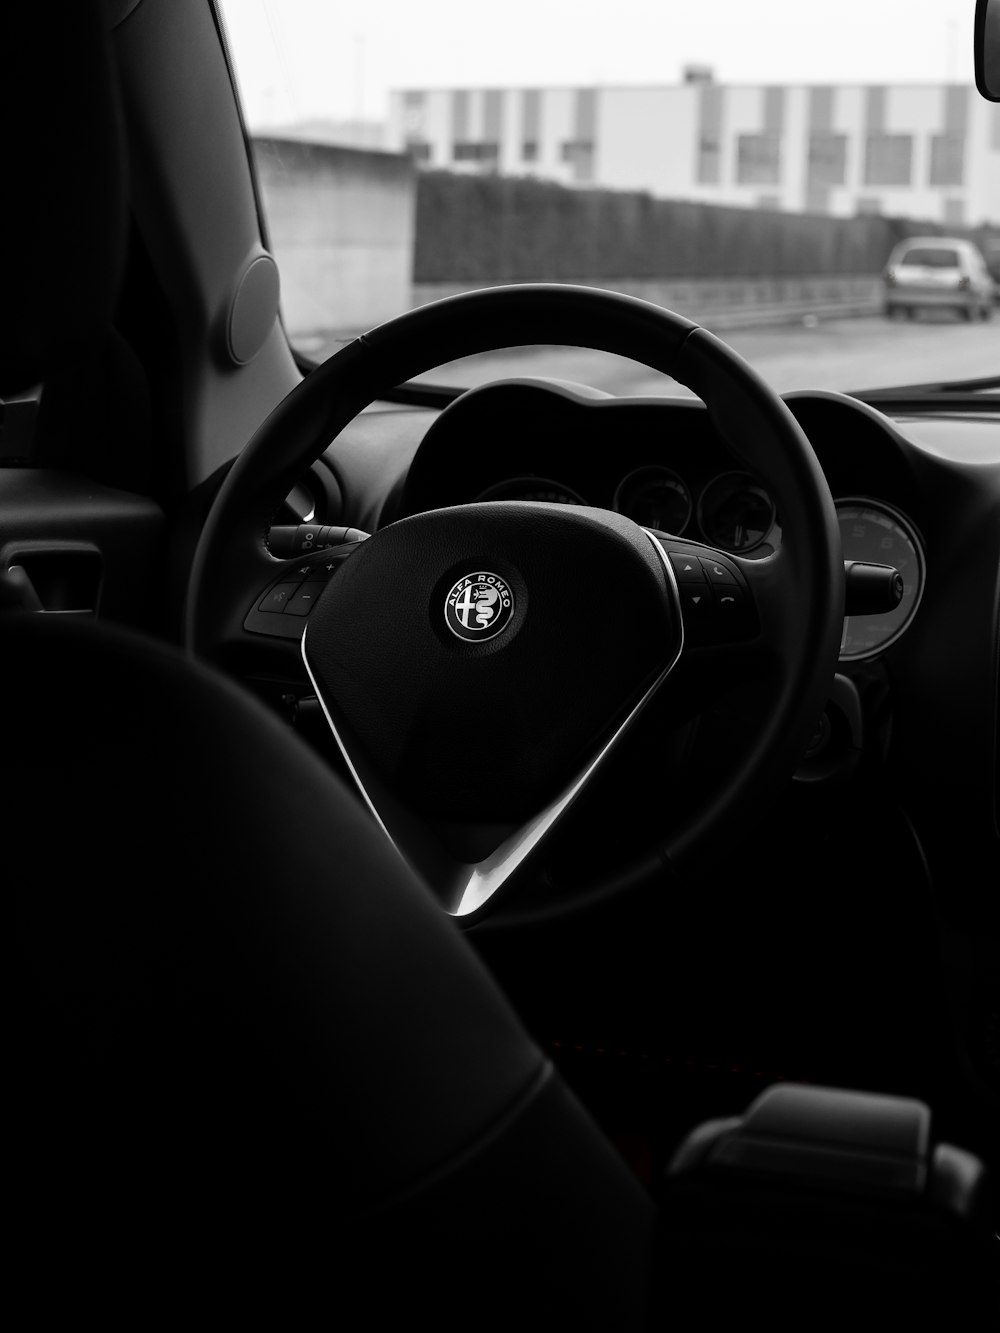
(918, 489)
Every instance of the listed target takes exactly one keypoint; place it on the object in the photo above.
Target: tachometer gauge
(532, 488)
(654, 497)
(735, 512)
(873, 531)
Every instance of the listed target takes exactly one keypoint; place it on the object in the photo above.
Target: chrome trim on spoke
(473, 885)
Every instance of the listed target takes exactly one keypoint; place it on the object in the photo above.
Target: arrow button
(687, 568)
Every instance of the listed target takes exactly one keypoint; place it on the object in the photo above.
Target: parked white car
(928, 272)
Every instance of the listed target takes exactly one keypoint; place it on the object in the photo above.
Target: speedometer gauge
(877, 533)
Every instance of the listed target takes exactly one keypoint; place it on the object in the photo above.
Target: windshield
(750, 164)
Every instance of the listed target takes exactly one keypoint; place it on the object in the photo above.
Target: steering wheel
(479, 664)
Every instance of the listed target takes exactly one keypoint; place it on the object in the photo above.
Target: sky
(338, 59)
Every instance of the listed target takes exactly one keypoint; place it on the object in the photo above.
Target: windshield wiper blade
(934, 389)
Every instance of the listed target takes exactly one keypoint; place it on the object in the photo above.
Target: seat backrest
(241, 1017)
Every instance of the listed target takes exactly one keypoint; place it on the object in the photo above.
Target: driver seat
(256, 1068)
(255, 1058)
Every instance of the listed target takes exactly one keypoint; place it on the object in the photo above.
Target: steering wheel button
(734, 617)
(730, 599)
(687, 568)
(278, 597)
(696, 605)
(321, 572)
(304, 600)
(716, 571)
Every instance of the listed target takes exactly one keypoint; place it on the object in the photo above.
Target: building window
(827, 164)
(954, 210)
(758, 159)
(868, 205)
(531, 124)
(889, 159)
(419, 150)
(413, 99)
(474, 151)
(709, 161)
(572, 150)
(947, 160)
(711, 106)
(579, 153)
(772, 202)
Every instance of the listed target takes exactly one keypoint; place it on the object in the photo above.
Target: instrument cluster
(666, 465)
(734, 512)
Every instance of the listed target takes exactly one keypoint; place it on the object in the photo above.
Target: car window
(717, 160)
(929, 257)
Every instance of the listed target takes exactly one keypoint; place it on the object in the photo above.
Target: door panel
(79, 547)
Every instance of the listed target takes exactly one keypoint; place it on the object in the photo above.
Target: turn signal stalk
(869, 589)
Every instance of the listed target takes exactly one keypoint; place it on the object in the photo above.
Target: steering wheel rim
(798, 591)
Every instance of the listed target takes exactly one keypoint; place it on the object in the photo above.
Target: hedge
(493, 228)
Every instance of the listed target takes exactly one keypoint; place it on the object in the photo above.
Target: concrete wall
(494, 229)
(341, 223)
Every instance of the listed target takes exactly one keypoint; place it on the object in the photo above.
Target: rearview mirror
(986, 40)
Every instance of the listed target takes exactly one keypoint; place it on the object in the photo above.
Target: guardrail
(729, 303)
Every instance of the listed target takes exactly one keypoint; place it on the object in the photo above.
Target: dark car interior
(638, 965)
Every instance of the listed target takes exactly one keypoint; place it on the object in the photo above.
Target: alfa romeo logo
(478, 606)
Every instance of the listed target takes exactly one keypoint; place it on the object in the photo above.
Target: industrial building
(918, 150)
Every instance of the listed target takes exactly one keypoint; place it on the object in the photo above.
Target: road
(845, 354)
